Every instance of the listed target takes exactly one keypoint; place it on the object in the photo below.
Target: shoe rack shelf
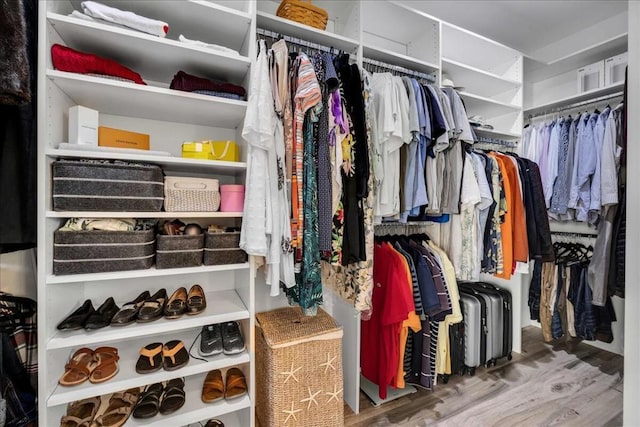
(223, 306)
(170, 117)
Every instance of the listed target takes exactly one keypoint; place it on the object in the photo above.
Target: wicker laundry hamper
(298, 369)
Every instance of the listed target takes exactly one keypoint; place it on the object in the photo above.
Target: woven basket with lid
(304, 12)
(298, 369)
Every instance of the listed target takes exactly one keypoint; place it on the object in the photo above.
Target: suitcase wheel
(471, 371)
(509, 356)
(445, 378)
(461, 372)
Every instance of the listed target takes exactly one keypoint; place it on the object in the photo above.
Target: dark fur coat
(14, 61)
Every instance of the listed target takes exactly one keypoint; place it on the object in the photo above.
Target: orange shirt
(506, 226)
(519, 224)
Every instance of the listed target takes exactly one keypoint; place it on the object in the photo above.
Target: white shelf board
(195, 19)
(195, 409)
(149, 102)
(477, 80)
(127, 377)
(155, 58)
(585, 96)
(150, 272)
(102, 214)
(486, 107)
(222, 306)
(395, 58)
(537, 71)
(305, 32)
(494, 133)
(170, 163)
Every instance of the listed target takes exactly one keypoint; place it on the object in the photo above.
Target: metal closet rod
(570, 234)
(295, 40)
(398, 68)
(578, 104)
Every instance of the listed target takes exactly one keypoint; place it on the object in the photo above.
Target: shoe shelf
(134, 274)
(155, 58)
(102, 214)
(223, 306)
(148, 102)
(195, 409)
(127, 377)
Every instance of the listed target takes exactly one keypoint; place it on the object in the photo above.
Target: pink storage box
(232, 198)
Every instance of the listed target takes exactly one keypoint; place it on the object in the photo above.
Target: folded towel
(198, 43)
(128, 19)
(14, 61)
(188, 83)
(70, 60)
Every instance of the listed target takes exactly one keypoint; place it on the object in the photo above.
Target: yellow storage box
(212, 150)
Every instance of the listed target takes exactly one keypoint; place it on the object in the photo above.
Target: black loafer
(129, 311)
(153, 307)
(210, 340)
(78, 318)
(232, 341)
(177, 304)
(103, 315)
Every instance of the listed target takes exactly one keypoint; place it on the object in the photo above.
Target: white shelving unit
(170, 117)
(490, 75)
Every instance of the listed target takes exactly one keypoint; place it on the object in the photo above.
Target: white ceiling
(530, 26)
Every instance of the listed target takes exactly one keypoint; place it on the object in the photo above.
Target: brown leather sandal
(213, 387)
(78, 369)
(175, 355)
(106, 364)
(80, 413)
(150, 359)
(236, 384)
(119, 410)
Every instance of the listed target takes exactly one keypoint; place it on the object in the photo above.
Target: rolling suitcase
(474, 314)
(495, 323)
(456, 348)
(504, 297)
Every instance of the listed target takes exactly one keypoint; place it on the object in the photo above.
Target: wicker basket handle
(189, 185)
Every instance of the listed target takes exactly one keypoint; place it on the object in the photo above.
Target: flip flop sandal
(150, 359)
(236, 384)
(78, 368)
(106, 364)
(214, 423)
(213, 387)
(175, 355)
(173, 396)
(80, 413)
(149, 403)
(119, 410)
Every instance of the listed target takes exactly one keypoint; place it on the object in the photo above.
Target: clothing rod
(398, 68)
(289, 39)
(570, 234)
(578, 104)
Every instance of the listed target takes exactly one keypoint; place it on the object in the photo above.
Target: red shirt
(392, 302)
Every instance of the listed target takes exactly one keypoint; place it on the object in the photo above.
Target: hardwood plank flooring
(565, 383)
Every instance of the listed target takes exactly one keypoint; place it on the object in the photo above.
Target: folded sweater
(188, 83)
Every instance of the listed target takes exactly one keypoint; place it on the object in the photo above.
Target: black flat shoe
(129, 311)
(103, 315)
(153, 307)
(77, 319)
(177, 304)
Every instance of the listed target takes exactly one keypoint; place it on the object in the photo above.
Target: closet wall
(18, 273)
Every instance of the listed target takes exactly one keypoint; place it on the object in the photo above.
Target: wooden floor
(567, 383)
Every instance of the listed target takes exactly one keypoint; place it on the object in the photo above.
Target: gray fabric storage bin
(222, 248)
(179, 251)
(107, 185)
(97, 251)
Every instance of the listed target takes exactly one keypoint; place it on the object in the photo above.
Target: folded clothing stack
(124, 18)
(189, 83)
(73, 61)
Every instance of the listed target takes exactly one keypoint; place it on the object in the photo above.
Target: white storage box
(182, 194)
(614, 68)
(591, 77)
